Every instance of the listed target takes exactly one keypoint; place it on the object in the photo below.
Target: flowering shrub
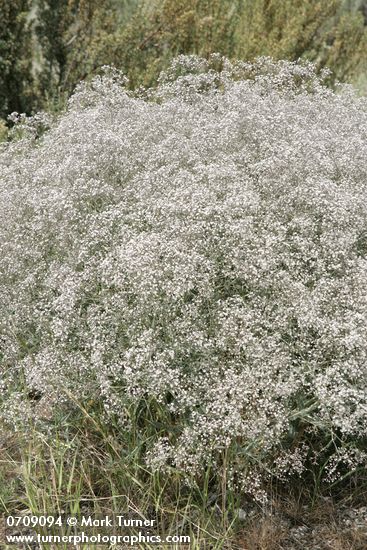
(201, 246)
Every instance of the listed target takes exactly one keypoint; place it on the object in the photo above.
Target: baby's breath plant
(194, 257)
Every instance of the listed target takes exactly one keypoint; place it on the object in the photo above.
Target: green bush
(323, 32)
(16, 79)
(72, 39)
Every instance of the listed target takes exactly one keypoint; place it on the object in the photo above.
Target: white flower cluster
(202, 245)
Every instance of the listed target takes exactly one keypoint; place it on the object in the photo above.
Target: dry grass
(295, 524)
(89, 477)
(264, 534)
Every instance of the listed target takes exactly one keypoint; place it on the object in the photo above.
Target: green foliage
(66, 30)
(16, 81)
(321, 31)
(160, 30)
(72, 39)
(346, 55)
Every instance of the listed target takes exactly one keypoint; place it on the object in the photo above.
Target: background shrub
(17, 92)
(48, 46)
(328, 33)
